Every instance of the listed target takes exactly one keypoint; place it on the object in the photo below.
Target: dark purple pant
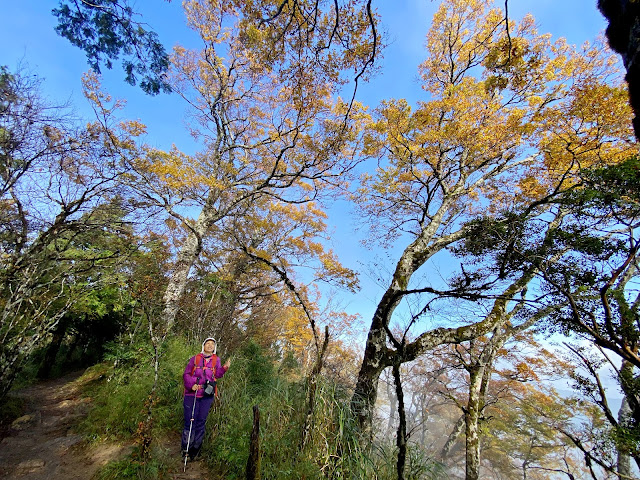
(203, 405)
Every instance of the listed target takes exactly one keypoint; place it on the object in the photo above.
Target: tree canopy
(504, 200)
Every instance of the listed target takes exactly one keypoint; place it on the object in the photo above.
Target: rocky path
(42, 443)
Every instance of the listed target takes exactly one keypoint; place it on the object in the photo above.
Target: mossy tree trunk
(472, 418)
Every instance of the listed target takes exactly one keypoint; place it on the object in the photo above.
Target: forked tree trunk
(374, 362)
(376, 354)
(187, 256)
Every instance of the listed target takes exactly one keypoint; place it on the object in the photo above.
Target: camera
(209, 388)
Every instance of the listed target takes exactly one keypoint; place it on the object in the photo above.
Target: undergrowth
(118, 403)
(11, 408)
(333, 450)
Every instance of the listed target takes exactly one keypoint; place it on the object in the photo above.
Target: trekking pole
(193, 411)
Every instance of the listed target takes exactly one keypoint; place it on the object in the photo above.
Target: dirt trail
(42, 444)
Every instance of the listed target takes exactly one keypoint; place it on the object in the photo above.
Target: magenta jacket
(198, 375)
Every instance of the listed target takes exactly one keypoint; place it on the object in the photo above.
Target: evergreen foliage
(105, 30)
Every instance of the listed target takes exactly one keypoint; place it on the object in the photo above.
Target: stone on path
(22, 422)
(31, 466)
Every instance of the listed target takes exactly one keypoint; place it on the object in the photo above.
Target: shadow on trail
(42, 444)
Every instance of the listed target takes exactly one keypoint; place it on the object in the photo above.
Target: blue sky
(28, 36)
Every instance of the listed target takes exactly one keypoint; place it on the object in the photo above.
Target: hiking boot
(194, 454)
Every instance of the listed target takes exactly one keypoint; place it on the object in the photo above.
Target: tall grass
(118, 403)
(334, 449)
(253, 380)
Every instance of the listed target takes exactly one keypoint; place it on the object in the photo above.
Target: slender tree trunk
(401, 437)
(632, 410)
(311, 391)
(479, 377)
(624, 418)
(472, 418)
(393, 408)
(145, 428)
(423, 419)
(458, 428)
(624, 459)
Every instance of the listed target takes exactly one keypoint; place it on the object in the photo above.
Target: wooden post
(253, 462)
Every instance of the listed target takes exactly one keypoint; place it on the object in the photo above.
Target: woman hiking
(200, 389)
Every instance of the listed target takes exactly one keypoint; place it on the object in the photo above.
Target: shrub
(11, 408)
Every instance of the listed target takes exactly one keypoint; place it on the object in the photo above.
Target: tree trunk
(622, 33)
(472, 418)
(376, 354)
(311, 392)
(188, 255)
(624, 459)
(144, 433)
(625, 418)
(401, 437)
(393, 409)
(365, 394)
(423, 419)
(453, 436)
(480, 371)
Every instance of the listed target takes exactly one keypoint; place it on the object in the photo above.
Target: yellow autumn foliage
(507, 119)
